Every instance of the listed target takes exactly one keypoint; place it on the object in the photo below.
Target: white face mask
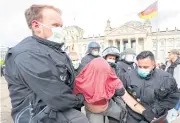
(76, 64)
(58, 34)
(111, 60)
(130, 58)
(95, 53)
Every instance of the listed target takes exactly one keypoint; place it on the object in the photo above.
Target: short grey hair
(34, 12)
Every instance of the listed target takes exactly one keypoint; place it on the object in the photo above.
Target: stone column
(118, 43)
(137, 45)
(106, 43)
(165, 45)
(141, 44)
(121, 45)
(114, 42)
(129, 42)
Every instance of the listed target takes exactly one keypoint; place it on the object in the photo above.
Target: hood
(97, 81)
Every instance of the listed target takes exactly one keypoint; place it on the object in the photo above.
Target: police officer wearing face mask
(155, 89)
(92, 52)
(76, 62)
(111, 54)
(77, 66)
(39, 73)
(126, 61)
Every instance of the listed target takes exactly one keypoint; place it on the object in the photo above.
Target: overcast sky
(90, 15)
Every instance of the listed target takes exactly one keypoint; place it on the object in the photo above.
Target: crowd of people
(47, 85)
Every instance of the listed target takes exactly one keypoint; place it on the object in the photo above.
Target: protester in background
(92, 52)
(174, 66)
(174, 114)
(158, 65)
(162, 66)
(2, 70)
(39, 73)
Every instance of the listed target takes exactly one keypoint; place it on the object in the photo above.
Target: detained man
(98, 82)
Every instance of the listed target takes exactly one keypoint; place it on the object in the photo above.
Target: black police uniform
(86, 59)
(40, 79)
(158, 92)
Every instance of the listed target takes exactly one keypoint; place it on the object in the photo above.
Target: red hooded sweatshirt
(97, 82)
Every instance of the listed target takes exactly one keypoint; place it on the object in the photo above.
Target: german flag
(149, 12)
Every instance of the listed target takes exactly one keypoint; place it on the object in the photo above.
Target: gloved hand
(148, 114)
(81, 100)
(119, 92)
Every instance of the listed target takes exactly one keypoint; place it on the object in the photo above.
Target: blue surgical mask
(143, 72)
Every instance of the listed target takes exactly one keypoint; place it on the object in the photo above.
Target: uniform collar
(51, 44)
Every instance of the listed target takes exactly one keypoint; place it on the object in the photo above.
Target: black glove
(81, 100)
(148, 114)
(119, 92)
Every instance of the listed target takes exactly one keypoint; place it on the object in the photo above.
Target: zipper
(142, 92)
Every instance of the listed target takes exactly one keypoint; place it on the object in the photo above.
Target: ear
(35, 24)
(36, 27)
(154, 63)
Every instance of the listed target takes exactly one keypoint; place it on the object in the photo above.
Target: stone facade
(136, 35)
(3, 51)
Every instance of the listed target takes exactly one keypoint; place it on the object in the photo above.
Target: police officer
(155, 89)
(111, 54)
(76, 62)
(92, 52)
(126, 61)
(40, 75)
(77, 66)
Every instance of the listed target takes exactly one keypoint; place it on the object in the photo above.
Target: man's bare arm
(132, 103)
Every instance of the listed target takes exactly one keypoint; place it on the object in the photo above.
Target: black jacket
(86, 59)
(124, 67)
(158, 91)
(173, 65)
(117, 69)
(39, 74)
